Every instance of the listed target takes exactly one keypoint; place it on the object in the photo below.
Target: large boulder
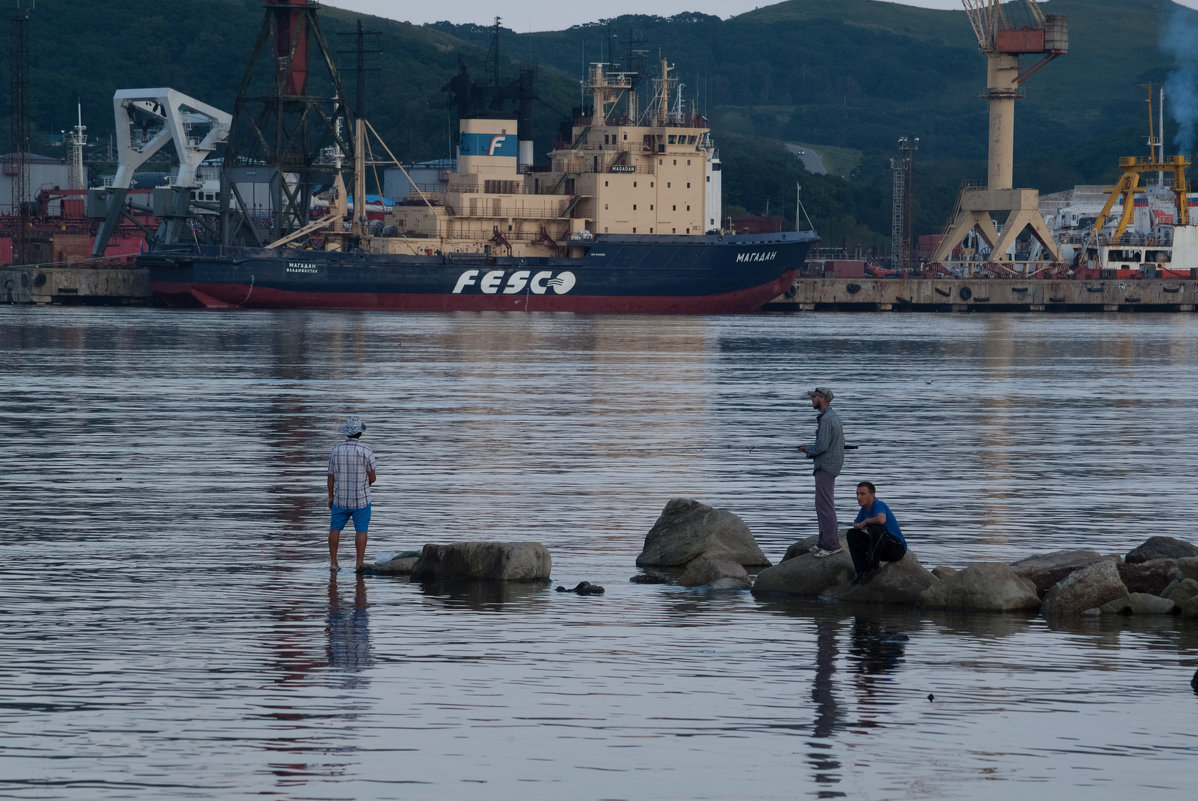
(688, 529)
(900, 583)
(1088, 588)
(804, 574)
(987, 586)
(1149, 577)
(705, 571)
(1191, 610)
(1160, 548)
(1180, 592)
(491, 561)
(1139, 603)
(1046, 569)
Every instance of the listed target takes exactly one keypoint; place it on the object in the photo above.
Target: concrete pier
(75, 286)
(988, 295)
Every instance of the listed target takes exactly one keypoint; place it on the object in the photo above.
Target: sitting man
(875, 536)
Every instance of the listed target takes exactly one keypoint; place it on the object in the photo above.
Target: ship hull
(617, 274)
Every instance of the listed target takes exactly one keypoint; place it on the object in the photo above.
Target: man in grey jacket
(828, 453)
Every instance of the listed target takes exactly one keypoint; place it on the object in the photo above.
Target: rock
(804, 546)
(727, 584)
(1084, 589)
(1180, 592)
(987, 586)
(900, 583)
(1190, 608)
(944, 571)
(1194, 681)
(1149, 577)
(1188, 566)
(704, 571)
(1139, 603)
(688, 529)
(1160, 548)
(398, 565)
(492, 561)
(584, 588)
(651, 576)
(805, 574)
(1046, 569)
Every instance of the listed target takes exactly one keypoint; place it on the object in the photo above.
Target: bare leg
(334, 541)
(360, 548)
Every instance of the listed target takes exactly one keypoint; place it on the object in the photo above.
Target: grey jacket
(828, 448)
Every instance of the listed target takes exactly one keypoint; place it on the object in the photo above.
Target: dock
(988, 295)
(75, 286)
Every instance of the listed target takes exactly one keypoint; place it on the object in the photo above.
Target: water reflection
(348, 630)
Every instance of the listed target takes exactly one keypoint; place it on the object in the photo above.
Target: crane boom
(987, 18)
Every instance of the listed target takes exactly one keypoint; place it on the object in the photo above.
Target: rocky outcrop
(1139, 603)
(1180, 592)
(804, 574)
(988, 586)
(900, 583)
(398, 565)
(584, 588)
(1046, 569)
(688, 529)
(491, 561)
(706, 571)
(1149, 577)
(1160, 548)
(1088, 588)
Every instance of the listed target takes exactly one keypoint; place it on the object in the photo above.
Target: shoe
(823, 554)
(865, 577)
(815, 549)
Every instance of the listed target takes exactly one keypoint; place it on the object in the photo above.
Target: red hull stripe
(227, 296)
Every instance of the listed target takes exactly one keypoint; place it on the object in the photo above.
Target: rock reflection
(490, 596)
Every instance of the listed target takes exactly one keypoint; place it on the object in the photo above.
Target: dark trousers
(873, 545)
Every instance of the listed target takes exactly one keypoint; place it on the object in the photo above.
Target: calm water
(170, 630)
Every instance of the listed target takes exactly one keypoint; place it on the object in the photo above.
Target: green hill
(852, 75)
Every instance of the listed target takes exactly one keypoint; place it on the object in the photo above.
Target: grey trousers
(825, 509)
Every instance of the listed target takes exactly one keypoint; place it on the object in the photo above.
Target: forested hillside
(854, 75)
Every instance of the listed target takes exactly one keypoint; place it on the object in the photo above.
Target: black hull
(618, 274)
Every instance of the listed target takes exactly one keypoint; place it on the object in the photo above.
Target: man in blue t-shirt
(875, 536)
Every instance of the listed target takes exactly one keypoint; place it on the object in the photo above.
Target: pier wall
(75, 286)
(987, 294)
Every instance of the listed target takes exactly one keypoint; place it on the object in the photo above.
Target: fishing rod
(745, 448)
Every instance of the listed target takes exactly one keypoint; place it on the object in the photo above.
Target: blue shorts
(342, 515)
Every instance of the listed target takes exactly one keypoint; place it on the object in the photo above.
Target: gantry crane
(1003, 39)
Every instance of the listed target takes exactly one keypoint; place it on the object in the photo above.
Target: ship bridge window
(673, 139)
(691, 140)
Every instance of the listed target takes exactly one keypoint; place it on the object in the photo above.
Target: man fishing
(828, 453)
(875, 536)
(351, 472)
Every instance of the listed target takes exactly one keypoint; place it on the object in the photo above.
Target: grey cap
(352, 426)
(823, 392)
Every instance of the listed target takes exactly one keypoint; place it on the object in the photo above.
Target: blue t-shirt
(877, 508)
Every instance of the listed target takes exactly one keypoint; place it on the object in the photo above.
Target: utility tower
(999, 214)
(285, 118)
(901, 203)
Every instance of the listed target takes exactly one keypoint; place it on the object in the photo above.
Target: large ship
(625, 218)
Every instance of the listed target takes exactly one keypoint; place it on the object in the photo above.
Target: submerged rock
(1160, 548)
(1139, 603)
(688, 529)
(1088, 588)
(987, 586)
(704, 571)
(584, 588)
(493, 561)
(398, 565)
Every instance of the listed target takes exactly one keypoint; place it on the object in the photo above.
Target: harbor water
(170, 628)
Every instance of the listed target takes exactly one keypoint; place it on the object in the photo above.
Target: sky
(523, 16)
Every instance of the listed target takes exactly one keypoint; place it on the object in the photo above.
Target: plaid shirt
(349, 463)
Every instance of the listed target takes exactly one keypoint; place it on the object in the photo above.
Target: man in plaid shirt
(351, 472)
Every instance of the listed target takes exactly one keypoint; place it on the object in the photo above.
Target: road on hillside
(811, 160)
